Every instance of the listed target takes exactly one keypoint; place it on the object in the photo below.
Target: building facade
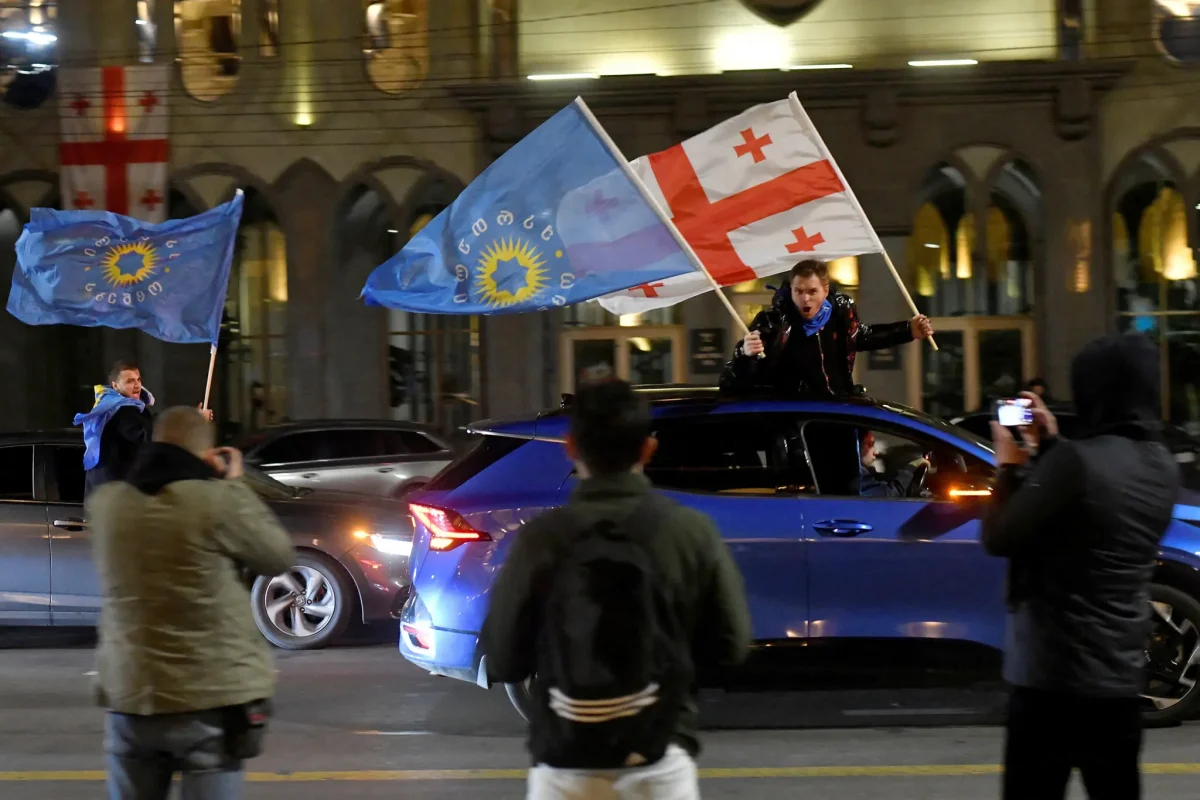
(1032, 167)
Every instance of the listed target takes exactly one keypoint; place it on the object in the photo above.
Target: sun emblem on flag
(129, 263)
(510, 271)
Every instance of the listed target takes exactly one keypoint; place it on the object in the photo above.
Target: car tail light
(447, 529)
(419, 635)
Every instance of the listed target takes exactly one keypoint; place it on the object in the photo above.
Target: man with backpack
(609, 606)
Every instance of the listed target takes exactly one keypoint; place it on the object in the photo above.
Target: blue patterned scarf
(815, 324)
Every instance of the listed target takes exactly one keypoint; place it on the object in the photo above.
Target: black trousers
(1050, 734)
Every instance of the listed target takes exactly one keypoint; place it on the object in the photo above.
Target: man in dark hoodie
(807, 341)
(1080, 526)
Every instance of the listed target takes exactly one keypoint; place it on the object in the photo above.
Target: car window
(67, 463)
(292, 447)
(884, 461)
(358, 443)
(418, 443)
(16, 473)
(730, 454)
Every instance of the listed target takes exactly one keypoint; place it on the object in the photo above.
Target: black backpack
(611, 661)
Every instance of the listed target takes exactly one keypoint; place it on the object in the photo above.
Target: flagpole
(212, 364)
(802, 115)
(649, 198)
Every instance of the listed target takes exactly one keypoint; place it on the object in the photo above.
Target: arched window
(434, 359)
(396, 43)
(28, 51)
(254, 330)
(147, 31)
(207, 34)
(1177, 29)
(954, 276)
(1158, 291)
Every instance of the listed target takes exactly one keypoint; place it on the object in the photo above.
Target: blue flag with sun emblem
(100, 269)
(556, 220)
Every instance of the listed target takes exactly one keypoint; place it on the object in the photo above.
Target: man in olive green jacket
(182, 668)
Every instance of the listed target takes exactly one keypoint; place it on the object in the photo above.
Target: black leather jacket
(1081, 529)
(824, 368)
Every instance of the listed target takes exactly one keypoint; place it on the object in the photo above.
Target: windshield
(268, 487)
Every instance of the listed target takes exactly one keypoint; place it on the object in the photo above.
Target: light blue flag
(100, 269)
(555, 220)
(108, 402)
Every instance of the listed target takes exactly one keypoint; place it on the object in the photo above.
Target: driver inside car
(875, 483)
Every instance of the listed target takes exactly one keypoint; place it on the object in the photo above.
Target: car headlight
(384, 543)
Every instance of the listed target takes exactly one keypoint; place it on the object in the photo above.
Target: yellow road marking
(712, 773)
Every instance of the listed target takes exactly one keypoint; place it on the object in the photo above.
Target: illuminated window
(268, 27)
(1177, 29)
(951, 274)
(396, 43)
(254, 334)
(28, 51)
(147, 32)
(206, 35)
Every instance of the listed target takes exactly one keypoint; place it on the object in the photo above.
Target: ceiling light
(945, 62)
(933, 246)
(798, 67)
(565, 76)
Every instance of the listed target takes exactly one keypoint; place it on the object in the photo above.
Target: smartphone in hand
(1014, 412)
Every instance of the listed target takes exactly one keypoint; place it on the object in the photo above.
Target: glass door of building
(979, 359)
(641, 355)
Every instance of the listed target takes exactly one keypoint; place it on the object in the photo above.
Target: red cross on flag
(752, 196)
(113, 154)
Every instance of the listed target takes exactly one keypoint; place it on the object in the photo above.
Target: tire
(1171, 652)
(520, 697)
(328, 598)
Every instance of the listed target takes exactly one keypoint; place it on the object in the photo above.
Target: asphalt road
(357, 721)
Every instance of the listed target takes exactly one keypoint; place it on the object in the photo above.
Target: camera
(1016, 412)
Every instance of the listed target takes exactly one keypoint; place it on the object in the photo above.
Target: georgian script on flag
(752, 196)
(114, 147)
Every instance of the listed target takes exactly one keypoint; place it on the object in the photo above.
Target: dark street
(360, 715)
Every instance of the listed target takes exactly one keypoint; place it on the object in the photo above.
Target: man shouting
(807, 341)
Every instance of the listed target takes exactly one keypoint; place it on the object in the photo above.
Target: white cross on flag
(114, 149)
(752, 196)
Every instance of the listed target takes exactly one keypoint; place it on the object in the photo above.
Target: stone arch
(923, 191)
(19, 190)
(240, 177)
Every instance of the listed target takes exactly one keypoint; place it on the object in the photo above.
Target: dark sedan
(352, 564)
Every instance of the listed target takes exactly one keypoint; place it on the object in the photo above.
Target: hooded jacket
(176, 629)
(114, 431)
(1081, 530)
(821, 364)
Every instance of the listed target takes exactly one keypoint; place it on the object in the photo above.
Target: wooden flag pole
(212, 364)
(802, 115)
(649, 198)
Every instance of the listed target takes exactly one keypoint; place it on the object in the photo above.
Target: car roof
(61, 436)
(668, 400)
(292, 426)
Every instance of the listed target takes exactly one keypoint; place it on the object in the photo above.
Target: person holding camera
(184, 673)
(1080, 522)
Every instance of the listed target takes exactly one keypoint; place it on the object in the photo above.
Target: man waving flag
(752, 196)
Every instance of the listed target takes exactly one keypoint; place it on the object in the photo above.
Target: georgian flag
(114, 148)
(752, 196)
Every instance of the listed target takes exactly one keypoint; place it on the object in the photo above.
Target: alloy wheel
(1172, 655)
(300, 602)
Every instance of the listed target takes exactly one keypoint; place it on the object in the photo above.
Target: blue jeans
(144, 753)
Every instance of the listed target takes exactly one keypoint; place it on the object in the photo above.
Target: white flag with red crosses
(752, 196)
(114, 149)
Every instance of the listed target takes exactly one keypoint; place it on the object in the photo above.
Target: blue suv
(855, 524)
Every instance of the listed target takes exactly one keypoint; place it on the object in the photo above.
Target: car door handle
(841, 527)
(70, 524)
(309, 475)
(385, 469)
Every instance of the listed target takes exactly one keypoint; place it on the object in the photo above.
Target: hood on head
(1115, 383)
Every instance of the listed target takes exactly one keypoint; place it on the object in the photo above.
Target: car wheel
(1173, 657)
(520, 697)
(305, 608)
